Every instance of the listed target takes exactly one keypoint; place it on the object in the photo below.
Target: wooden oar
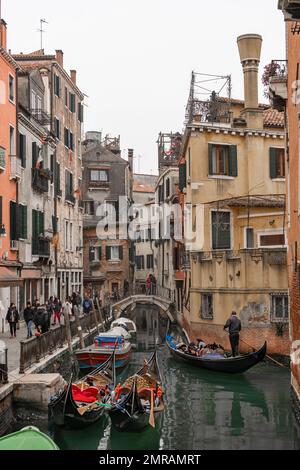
(151, 418)
(83, 409)
(270, 358)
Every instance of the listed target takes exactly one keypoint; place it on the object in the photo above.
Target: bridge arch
(165, 306)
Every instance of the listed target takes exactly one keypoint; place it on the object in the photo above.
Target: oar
(83, 409)
(270, 358)
(151, 418)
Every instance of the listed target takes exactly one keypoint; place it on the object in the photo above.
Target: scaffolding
(205, 102)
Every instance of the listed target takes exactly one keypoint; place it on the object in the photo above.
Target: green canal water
(205, 410)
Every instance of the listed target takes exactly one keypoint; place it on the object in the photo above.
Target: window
(66, 97)
(272, 240)
(22, 222)
(168, 188)
(57, 128)
(57, 82)
(150, 262)
(2, 158)
(11, 88)
(71, 236)
(14, 221)
(207, 312)
(66, 234)
(112, 211)
(182, 176)
(222, 160)
(35, 154)
(11, 140)
(69, 183)
(71, 141)
(67, 137)
(33, 99)
(99, 176)
(114, 253)
(160, 193)
(140, 262)
(249, 237)
(95, 253)
(80, 112)
(57, 187)
(221, 236)
(22, 149)
(280, 307)
(277, 163)
(72, 103)
(89, 208)
(37, 230)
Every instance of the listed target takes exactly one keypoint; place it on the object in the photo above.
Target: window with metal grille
(221, 230)
(207, 312)
(280, 307)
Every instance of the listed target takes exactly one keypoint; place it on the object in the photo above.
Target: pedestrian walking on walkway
(28, 317)
(57, 311)
(13, 319)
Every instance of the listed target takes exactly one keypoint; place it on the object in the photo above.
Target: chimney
(250, 51)
(3, 34)
(73, 74)
(60, 57)
(130, 159)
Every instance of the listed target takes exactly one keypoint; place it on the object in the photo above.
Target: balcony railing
(278, 84)
(41, 248)
(40, 179)
(70, 198)
(41, 116)
(279, 69)
(15, 167)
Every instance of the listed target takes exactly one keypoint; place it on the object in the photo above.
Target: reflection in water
(204, 410)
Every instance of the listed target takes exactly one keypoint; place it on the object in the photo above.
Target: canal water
(205, 410)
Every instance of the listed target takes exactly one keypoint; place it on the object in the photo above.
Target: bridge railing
(33, 350)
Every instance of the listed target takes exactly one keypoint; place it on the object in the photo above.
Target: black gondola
(64, 410)
(230, 365)
(131, 413)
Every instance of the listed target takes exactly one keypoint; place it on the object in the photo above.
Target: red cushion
(86, 396)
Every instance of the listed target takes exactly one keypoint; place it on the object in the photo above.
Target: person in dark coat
(234, 326)
(42, 319)
(13, 319)
(28, 317)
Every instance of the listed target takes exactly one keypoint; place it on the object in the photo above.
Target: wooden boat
(94, 356)
(29, 438)
(126, 323)
(230, 365)
(139, 405)
(80, 404)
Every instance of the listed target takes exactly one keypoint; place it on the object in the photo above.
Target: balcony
(290, 8)
(41, 247)
(15, 167)
(70, 198)
(41, 116)
(40, 179)
(95, 265)
(278, 84)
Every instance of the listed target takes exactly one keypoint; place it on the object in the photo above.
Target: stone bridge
(166, 306)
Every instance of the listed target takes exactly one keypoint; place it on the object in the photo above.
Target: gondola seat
(86, 396)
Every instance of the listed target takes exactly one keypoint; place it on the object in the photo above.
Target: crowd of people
(39, 317)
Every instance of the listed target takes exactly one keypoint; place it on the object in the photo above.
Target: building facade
(284, 83)
(35, 209)
(10, 268)
(64, 100)
(107, 189)
(143, 197)
(234, 154)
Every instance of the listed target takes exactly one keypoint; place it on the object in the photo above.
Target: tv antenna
(41, 30)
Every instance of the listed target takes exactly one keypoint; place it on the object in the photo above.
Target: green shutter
(35, 234)
(210, 159)
(14, 221)
(273, 156)
(41, 223)
(107, 253)
(121, 254)
(233, 163)
(91, 254)
(34, 154)
(23, 221)
(182, 179)
(22, 149)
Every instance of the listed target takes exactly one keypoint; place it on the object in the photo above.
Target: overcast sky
(135, 57)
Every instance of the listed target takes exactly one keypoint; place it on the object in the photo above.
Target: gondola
(230, 365)
(140, 406)
(78, 405)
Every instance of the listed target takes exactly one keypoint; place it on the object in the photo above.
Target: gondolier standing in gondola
(234, 326)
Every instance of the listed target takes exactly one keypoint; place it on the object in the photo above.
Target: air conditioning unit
(14, 245)
(291, 8)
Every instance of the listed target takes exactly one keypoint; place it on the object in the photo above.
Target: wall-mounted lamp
(238, 274)
(272, 222)
(211, 278)
(2, 231)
